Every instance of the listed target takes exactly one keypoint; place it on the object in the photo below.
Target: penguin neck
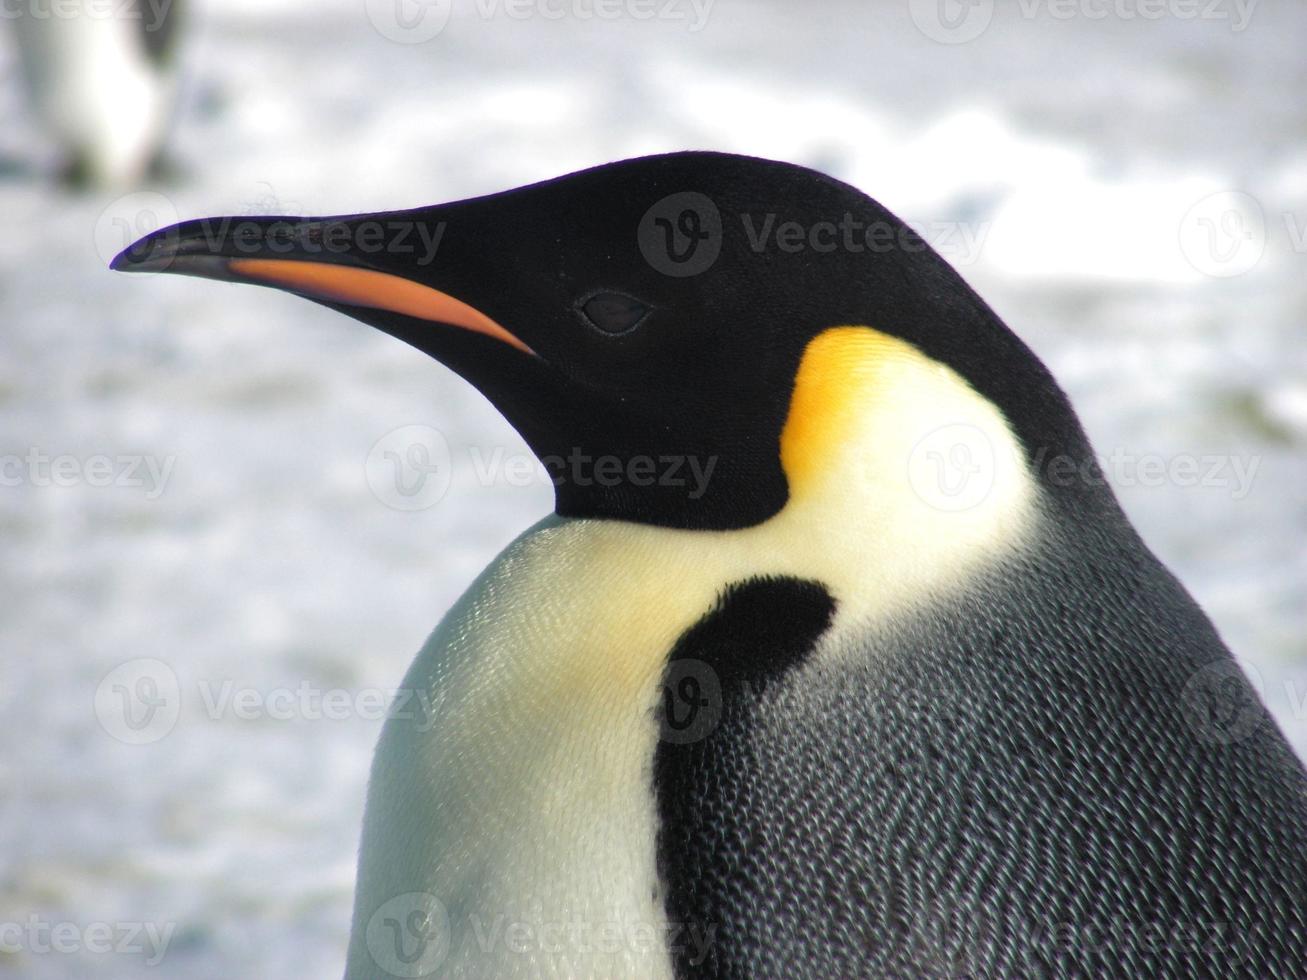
(526, 789)
(903, 483)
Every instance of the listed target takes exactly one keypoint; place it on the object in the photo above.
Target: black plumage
(1060, 772)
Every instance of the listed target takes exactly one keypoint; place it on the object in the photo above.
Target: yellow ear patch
(842, 372)
(877, 426)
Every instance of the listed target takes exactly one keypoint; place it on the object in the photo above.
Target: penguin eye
(613, 313)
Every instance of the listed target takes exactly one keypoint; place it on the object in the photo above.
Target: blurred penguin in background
(102, 80)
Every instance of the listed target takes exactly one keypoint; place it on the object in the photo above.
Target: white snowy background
(1079, 152)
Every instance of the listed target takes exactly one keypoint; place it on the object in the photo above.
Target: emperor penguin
(102, 79)
(837, 658)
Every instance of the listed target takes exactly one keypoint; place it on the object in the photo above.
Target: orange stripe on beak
(377, 290)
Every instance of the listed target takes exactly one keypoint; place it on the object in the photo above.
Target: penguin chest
(518, 792)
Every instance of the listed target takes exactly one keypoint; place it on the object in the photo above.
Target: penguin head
(644, 322)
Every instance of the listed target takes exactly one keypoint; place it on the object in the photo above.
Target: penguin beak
(316, 258)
